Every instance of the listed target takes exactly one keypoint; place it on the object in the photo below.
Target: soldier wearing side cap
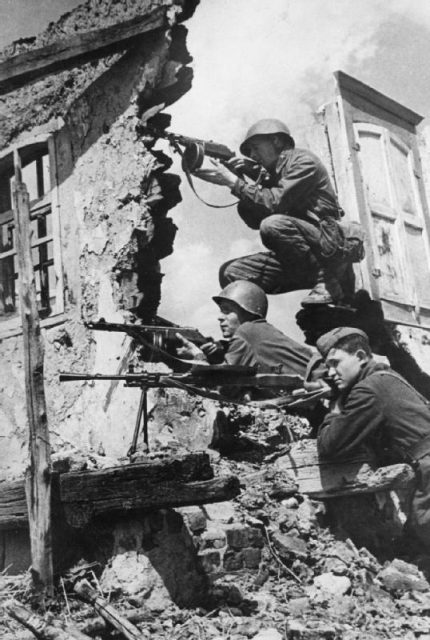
(293, 205)
(378, 409)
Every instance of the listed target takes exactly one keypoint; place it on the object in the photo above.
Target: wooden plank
(70, 52)
(327, 479)
(147, 495)
(125, 479)
(13, 506)
(86, 593)
(40, 627)
(38, 480)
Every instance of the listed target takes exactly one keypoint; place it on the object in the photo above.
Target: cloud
(191, 279)
(251, 57)
(256, 59)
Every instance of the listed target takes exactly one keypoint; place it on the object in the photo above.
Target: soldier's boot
(347, 282)
(327, 290)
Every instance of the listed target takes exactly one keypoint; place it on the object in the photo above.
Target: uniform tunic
(287, 209)
(299, 185)
(258, 343)
(383, 412)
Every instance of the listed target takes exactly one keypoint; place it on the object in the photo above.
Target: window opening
(35, 164)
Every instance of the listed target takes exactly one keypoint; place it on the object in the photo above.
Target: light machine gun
(199, 380)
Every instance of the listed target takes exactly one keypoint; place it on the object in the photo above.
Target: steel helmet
(246, 295)
(268, 126)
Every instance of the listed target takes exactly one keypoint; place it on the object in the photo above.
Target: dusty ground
(310, 584)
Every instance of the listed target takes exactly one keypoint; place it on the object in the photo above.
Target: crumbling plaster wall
(114, 196)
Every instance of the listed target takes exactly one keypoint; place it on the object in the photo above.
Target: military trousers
(292, 261)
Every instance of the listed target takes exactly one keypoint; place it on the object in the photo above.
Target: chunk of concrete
(334, 585)
(221, 512)
(401, 576)
(268, 634)
(287, 544)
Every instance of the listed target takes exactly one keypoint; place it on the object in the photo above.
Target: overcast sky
(255, 59)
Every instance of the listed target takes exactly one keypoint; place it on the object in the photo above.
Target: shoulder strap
(394, 374)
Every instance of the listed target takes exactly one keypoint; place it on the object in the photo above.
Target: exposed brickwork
(225, 544)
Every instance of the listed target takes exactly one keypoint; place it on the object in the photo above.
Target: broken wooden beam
(40, 627)
(79, 510)
(70, 52)
(319, 478)
(86, 593)
(171, 482)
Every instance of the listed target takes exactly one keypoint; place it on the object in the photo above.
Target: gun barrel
(127, 377)
(70, 377)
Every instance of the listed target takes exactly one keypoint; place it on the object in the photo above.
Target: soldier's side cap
(329, 340)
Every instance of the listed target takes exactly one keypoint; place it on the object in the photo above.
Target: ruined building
(101, 219)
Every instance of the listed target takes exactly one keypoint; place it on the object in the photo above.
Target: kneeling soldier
(376, 408)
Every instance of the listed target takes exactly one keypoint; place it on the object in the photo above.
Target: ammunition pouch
(341, 241)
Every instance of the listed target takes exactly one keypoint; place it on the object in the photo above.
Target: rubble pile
(274, 568)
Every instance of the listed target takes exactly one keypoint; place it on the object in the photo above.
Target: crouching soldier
(251, 340)
(376, 408)
(295, 209)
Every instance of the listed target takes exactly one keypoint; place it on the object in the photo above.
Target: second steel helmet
(268, 126)
(247, 295)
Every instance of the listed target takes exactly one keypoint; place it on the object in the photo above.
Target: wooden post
(38, 481)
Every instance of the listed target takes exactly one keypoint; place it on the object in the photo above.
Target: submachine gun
(160, 341)
(194, 150)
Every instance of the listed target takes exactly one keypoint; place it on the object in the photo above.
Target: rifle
(196, 149)
(160, 339)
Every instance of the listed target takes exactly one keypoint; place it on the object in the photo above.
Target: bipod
(142, 416)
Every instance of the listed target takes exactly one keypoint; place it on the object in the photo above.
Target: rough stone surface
(329, 583)
(221, 512)
(268, 634)
(154, 558)
(402, 576)
(288, 545)
(194, 518)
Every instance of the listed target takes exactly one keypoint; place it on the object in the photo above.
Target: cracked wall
(114, 196)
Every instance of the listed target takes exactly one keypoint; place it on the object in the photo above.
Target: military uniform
(258, 343)
(295, 211)
(383, 412)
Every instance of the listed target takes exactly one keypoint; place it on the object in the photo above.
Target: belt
(420, 449)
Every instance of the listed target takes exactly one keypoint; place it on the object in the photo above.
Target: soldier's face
(264, 151)
(228, 318)
(344, 368)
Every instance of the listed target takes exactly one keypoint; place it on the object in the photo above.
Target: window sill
(13, 327)
(401, 313)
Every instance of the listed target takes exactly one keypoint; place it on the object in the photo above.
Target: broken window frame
(394, 213)
(359, 106)
(40, 207)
